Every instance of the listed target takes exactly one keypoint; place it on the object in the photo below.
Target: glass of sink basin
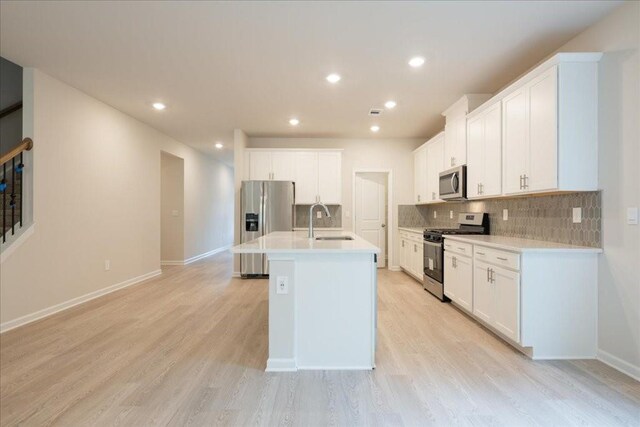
(334, 238)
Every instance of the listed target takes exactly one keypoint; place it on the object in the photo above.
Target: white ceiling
(253, 65)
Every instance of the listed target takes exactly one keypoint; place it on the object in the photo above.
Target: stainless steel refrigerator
(265, 206)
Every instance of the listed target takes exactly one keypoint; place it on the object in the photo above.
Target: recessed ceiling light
(219, 145)
(375, 128)
(159, 106)
(333, 78)
(390, 104)
(294, 122)
(416, 61)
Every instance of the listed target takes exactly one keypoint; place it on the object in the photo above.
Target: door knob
(383, 225)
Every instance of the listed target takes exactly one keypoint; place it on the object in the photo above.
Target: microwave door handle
(437, 245)
(454, 182)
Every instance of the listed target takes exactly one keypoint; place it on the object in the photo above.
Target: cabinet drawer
(497, 257)
(403, 234)
(458, 247)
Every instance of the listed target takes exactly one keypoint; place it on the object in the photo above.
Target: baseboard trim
(236, 274)
(197, 257)
(168, 262)
(394, 268)
(281, 365)
(49, 311)
(619, 364)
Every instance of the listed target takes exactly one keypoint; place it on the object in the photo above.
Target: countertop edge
(507, 247)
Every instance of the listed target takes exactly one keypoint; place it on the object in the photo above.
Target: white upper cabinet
(260, 165)
(283, 165)
(272, 165)
(484, 153)
(435, 165)
(455, 130)
(330, 177)
(420, 175)
(306, 170)
(455, 140)
(317, 174)
(549, 120)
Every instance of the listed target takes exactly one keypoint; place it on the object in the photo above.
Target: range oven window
(433, 260)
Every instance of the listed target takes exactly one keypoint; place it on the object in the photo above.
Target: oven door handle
(432, 243)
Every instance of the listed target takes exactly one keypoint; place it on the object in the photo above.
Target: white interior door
(371, 211)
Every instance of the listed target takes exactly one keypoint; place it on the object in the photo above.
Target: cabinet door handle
(521, 182)
(433, 196)
(493, 280)
(462, 249)
(418, 197)
(403, 243)
(526, 182)
(480, 253)
(501, 259)
(415, 248)
(488, 275)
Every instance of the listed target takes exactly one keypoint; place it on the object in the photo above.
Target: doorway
(372, 213)
(171, 209)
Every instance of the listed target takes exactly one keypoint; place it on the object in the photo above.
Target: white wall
(394, 154)
(97, 197)
(171, 200)
(618, 36)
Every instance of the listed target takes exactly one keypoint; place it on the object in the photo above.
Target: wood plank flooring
(190, 346)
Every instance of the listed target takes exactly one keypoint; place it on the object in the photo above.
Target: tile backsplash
(302, 216)
(538, 217)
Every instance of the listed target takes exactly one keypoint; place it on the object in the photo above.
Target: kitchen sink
(334, 238)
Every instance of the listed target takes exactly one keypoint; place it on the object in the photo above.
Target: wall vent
(375, 111)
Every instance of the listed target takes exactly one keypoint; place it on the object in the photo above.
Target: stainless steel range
(433, 276)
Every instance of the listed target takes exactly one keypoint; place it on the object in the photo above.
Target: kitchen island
(322, 300)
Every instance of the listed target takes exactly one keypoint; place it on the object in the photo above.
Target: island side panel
(281, 316)
(335, 318)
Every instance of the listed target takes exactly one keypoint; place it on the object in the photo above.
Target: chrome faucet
(326, 210)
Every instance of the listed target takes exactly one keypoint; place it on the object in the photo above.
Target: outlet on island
(282, 285)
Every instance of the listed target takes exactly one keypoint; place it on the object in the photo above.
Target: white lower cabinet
(496, 298)
(541, 299)
(411, 253)
(458, 279)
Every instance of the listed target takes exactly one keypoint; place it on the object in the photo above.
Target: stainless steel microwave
(453, 183)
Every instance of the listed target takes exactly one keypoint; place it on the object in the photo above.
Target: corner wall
(618, 36)
(97, 198)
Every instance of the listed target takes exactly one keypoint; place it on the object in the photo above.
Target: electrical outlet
(450, 214)
(107, 265)
(632, 216)
(435, 214)
(505, 214)
(318, 214)
(577, 215)
(174, 213)
(282, 285)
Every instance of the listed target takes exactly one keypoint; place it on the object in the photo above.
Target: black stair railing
(11, 187)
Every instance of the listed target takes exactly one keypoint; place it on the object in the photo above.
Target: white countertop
(516, 244)
(319, 228)
(419, 230)
(287, 242)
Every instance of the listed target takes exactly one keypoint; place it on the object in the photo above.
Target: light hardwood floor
(189, 348)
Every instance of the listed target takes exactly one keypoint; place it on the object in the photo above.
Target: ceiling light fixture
(159, 106)
(219, 145)
(333, 78)
(416, 61)
(390, 104)
(375, 128)
(294, 122)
